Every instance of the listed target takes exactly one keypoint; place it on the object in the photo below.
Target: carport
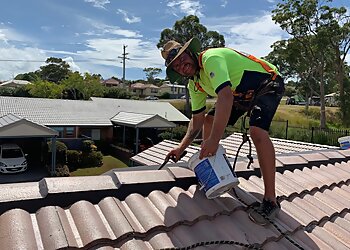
(14, 126)
(137, 121)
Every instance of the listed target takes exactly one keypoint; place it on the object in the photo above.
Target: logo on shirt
(212, 74)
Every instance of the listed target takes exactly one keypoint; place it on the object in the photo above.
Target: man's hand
(208, 148)
(174, 154)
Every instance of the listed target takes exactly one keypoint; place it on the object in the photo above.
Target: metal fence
(282, 129)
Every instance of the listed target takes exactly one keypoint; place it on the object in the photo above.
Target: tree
(293, 62)
(79, 87)
(44, 89)
(151, 73)
(188, 27)
(55, 71)
(183, 30)
(310, 24)
(338, 29)
(30, 76)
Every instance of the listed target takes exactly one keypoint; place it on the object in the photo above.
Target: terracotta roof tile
(315, 215)
(231, 144)
(17, 230)
(334, 156)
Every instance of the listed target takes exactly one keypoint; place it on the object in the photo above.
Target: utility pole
(123, 57)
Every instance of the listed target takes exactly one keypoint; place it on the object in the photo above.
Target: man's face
(184, 65)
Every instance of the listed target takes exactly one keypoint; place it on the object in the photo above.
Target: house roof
(96, 112)
(150, 209)
(167, 85)
(138, 85)
(141, 120)
(14, 82)
(156, 154)
(111, 81)
(15, 126)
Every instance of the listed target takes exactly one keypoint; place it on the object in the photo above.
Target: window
(70, 132)
(154, 90)
(65, 132)
(60, 131)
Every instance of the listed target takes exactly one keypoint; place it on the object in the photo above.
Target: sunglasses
(172, 54)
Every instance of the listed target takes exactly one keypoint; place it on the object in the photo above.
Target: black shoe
(267, 210)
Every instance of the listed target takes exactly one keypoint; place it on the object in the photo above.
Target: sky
(90, 34)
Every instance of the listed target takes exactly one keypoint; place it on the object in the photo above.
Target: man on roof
(236, 79)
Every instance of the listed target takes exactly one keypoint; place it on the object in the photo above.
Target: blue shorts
(263, 110)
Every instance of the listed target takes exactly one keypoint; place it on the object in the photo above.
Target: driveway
(32, 174)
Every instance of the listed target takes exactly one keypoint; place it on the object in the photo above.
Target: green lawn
(109, 162)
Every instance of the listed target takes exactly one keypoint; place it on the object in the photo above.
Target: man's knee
(258, 135)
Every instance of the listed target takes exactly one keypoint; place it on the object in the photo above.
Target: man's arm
(194, 127)
(223, 108)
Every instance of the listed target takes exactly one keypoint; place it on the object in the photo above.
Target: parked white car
(12, 159)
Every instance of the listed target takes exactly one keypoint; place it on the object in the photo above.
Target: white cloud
(128, 17)
(224, 3)
(254, 37)
(30, 60)
(188, 7)
(60, 52)
(8, 34)
(26, 58)
(98, 3)
(105, 29)
(73, 66)
(46, 28)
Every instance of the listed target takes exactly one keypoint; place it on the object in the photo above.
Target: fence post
(287, 130)
(312, 134)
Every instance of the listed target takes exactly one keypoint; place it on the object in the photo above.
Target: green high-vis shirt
(220, 67)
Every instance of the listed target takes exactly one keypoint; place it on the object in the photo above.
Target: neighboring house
(146, 208)
(93, 118)
(111, 82)
(14, 83)
(175, 91)
(141, 89)
(331, 99)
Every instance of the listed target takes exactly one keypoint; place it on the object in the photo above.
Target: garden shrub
(88, 146)
(62, 171)
(177, 134)
(92, 159)
(61, 152)
(73, 159)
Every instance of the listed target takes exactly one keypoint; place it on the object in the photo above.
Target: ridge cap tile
(78, 184)
(142, 176)
(21, 191)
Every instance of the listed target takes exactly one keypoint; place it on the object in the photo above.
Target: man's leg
(260, 121)
(267, 162)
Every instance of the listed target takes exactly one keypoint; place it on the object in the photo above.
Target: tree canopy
(151, 73)
(320, 38)
(188, 27)
(55, 71)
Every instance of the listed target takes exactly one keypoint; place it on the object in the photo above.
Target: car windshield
(12, 153)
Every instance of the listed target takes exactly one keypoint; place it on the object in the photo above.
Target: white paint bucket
(214, 173)
(344, 142)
